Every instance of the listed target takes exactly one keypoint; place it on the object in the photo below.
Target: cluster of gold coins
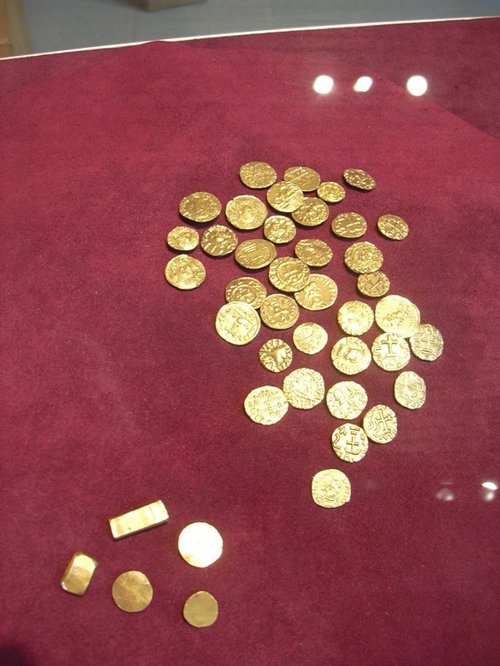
(298, 284)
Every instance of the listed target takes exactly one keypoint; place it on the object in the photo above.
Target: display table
(117, 390)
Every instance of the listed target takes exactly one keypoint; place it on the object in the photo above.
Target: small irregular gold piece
(304, 388)
(330, 488)
(310, 337)
(246, 212)
(349, 225)
(359, 179)
(78, 574)
(218, 241)
(350, 356)
(380, 424)
(200, 207)
(183, 239)
(184, 272)
(311, 213)
(132, 591)
(200, 609)
(200, 544)
(320, 293)
(138, 520)
(266, 405)
(279, 229)
(397, 314)
(355, 317)
(390, 351)
(237, 323)
(313, 252)
(257, 175)
(374, 284)
(279, 311)
(409, 390)
(304, 177)
(246, 289)
(255, 254)
(363, 257)
(331, 192)
(275, 355)
(349, 442)
(427, 342)
(393, 227)
(346, 400)
(288, 274)
(285, 197)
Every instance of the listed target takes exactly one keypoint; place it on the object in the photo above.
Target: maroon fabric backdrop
(117, 390)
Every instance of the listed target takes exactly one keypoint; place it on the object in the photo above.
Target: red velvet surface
(117, 390)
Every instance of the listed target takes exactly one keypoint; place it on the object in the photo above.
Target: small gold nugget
(346, 400)
(279, 229)
(320, 293)
(257, 175)
(288, 274)
(218, 241)
(393, 227)
(185, 272)
(349, 442)
(396, 314)
(183, 239)
(373, 285)
(78, 574)
(266, 405)
(246, 212)
(390, 351)
(200, 609)
(246, 289)
(275, 355)
(200, 207)
(355, 317)
(363, 257)
(200, 544)
(310, 337)
(313, 252)
(304, 388)
(311, 213)
(380, 424)
(132, 591)
(255, 254)
(330, 488)
(279, 311)
(331, 192)
(409, 390)
(359, 179)
(304, 177)
(285, 197)
(237, 323)
(427, 342)
(138, 520)
(351, 356)
(349, 225)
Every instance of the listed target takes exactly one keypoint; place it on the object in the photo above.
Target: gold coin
(185, 272)
(346, 400)
(183, 239)
(363, 257)
(275, 355)
(313, 252)
(279, 229)
(393, 227)
(349, 442)
(246, 289)
(288, 274)
(311, 213)
(427, 342)
(257, 175)
(359, 179)
(330, 488)
(246, 212)
(237, 323)
(304, 388)
(285, 197)
(350, 356)
(310, 337)
(218, 241)
(279, 311)
(409, 390)
(200, 544)
(319, 294)
(132, 591)
(349, 225)
(390, 351)
(396, 314)
(266, 405)
(331, 192)
(200, 207)
(373, 285)
(355, 317)
(256, 253)
(200, 609)
(380, 424)
(304, 177)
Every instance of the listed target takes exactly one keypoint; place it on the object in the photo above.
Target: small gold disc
(380, 424)
(349, 225)
(254, 254)
(185, 272)
(285, 197)
(346, 400)
(355, 317)
(373, 285)
(331, 192)
(275, 355)
(396, 314)
(266, 405)
(330, 488)
(310, 337)
(409, 390)
(246, 212)
(350, 356)
(279, 229)
(279, 311)
(359, 179)
(393, 227)
(313, 252)
(200, 207)
(218, 241)
(363, 257)
(350, 442)
(288, 274)
(427, 342)
(201, 609)
(257, 175)
(311, 213)
(319, 294)
(304, 388)
(132, 591)
(390, 351)
(237, 323)
(304, 177)
(200, 544)
(183, 239)
(246, 289)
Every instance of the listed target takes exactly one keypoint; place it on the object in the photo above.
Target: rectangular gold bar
(138, 520)
(78, 574)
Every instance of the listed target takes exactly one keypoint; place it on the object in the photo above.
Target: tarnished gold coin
(409, 390)
(185, 272)
(363, 257)
(310, 337)
(183, 239)
(285, 197)
(200, 207)
(246, 289)
(355, 317)
(313, 252)
(304, 177)
(246, 212)
(304, 388)
(330, 488)
(256, 253)
(349, 225)
(237, 323)
(132, 591)
(275, 355)
(311, 213)
(200, 609)
(266, 405)
(427, 342)
(279, 311)
(396, 314)
(359, 179)
(257, 175)
(331, 192)
(393, 227)
(288, 274)
(380, 424)
(346, 400)
(218, 241)
(320, 293)
(200, 544)
(390, 351)
(350, 442)
(350, 356)
(279, 229)
(373, 285)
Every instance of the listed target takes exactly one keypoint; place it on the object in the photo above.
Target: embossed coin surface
(237, 323)
(279, 229)
(257, 175)
(374, 284)
(279, 311)
(275, 355)
(349, 442)
(311, 213)
(363, 257)
(285, 197)
(304, 177)
(427, 342)
(266, 405)
(349, 225)
(396, 314)
(350, 356)
(288, 274)
(185, 272)
(313, 252)
(183, 239)
(200, 544)
(409, 390)
(355, 317)
(246, 289)
(218, 241)
(393, 227)
(330, 488)
(304, 388)
(200, 609)
(132, 591)
(310, 337)
(200, 207)
(359, 179)
(346, 400)
(246, 212)
(380, 424)
(256, 253)
(390, 351)
(320, 293)
(331, 192)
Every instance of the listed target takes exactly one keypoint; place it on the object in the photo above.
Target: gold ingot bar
(138, 520)
(78, 574)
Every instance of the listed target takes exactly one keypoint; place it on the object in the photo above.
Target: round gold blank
(350, 442)
(132, 591)
(200, 544)
(200, 609)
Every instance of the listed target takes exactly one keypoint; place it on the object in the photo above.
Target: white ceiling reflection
(417, 85)
(323, 84)
(363, 84)
(490, 485)
(445, 494)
